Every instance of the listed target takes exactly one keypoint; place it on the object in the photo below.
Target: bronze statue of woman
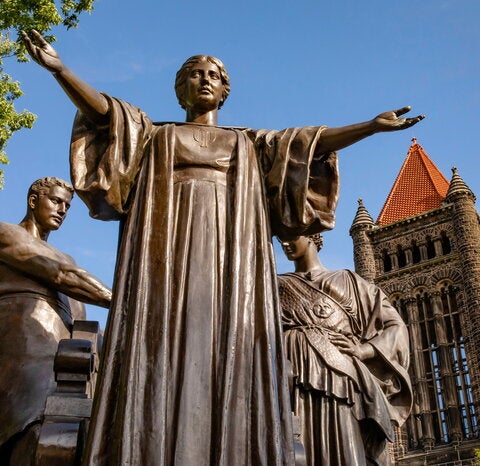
(193, 370)
(349, 351)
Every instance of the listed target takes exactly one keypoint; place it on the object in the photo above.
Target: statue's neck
(34, 228)
(310, 262)
(204, 118)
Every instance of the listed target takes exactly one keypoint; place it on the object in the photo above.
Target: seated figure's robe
(346, 407)
(34, 317)
(193, 370)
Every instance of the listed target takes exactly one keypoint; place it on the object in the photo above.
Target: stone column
(423, 251)
(437, 244)
(408, 256)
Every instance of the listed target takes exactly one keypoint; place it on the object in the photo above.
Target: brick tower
(424, 251)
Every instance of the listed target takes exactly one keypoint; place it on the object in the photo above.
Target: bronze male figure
(36, 282)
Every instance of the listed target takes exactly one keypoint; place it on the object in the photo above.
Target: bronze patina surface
(349, 351)
(193, 370)
(36, 312)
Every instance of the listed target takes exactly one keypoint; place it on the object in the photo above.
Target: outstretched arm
(337, 138)
(37, 259)
(87, 99)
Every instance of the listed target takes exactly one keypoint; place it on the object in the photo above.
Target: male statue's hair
(183, 72)
(42, 185)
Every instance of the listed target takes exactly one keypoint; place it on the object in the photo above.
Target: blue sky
(307, 62)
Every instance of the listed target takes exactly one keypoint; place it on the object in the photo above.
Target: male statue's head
(48, 201)
(202, 81)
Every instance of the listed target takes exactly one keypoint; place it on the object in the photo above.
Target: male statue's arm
(87, 99)
(333, 139)
(35, 258)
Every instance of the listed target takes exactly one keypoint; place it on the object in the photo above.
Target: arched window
(456, 344)
(399, 304)
(387, 261)
(430, 248)
(446, 245)
(444, 362)
(415, 253)
(402, 261)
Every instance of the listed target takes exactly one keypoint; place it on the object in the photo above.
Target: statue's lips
(57, 219)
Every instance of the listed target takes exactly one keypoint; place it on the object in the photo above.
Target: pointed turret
(420, 186)
(362, 248)
(458, 186)
(362, 216)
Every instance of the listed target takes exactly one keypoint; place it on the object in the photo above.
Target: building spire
(363, 256)
(420, 186)
(457, 185)
(362, 217)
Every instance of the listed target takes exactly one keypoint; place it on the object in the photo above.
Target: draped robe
(346, 406)
(193, 371)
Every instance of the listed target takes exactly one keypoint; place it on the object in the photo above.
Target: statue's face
(295, 248)
(50, 209)
(203, 87)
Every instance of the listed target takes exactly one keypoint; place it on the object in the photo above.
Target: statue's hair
(183, 72)
(317, 240)
(42, 185)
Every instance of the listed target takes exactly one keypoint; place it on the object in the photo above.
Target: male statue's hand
(390, 121)
(41, 51)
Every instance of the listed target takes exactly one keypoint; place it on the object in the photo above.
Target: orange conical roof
(420, 186)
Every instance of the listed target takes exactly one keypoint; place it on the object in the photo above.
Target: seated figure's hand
(361, 351)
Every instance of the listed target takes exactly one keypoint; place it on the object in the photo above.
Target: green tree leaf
(17, 15)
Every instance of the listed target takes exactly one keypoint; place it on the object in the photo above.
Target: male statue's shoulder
(10, 231)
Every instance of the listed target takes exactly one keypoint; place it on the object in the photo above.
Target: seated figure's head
(185, 72)
(48, 201)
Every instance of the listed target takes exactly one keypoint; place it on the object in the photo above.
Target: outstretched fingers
(33, 40)
(29, 45)
(26, 39)
(413, 121)
(402, 111)
(39, 38)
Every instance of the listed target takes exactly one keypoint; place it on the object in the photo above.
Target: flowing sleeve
(302, 186)
(385, 330)
(105, 161)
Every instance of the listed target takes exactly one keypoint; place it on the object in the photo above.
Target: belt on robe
(200, 174)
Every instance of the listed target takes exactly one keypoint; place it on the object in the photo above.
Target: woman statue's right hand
(42, 52)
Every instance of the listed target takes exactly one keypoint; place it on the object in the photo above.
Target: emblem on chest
(203, 137)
